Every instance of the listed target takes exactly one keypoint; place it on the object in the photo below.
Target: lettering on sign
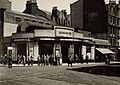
(64, 33)
(69, 33)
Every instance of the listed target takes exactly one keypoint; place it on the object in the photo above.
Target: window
(114, 20)
(47, 23)
(34, 21)
(26, 19)
(41, 22)
(17, 19)
(117, 21)
(110, 19)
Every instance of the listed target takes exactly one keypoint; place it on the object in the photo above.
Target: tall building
(90, 16)
(114, 26)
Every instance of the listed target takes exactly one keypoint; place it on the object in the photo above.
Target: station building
(38, 39)
(31, 33)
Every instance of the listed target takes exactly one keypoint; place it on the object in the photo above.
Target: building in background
(88, 15)
(114, 26)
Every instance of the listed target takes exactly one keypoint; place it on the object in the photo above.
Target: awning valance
(105, 51)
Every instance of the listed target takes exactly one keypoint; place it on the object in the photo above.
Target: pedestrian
(28, 60)
(81, 59)
(47, 59)
(21, 59)
(5, 59)
(24, 60)
(76, 58)
(31, 60)
(87, 59)
(10, 61)
(18, 59)
(70, 61)
(39, 60)
(44, 59)
(50, 60)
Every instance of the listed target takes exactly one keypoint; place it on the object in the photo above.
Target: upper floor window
(114, 20)
(17, 19)
(26, 19)
(117, 21)
(34, 21)
(47, 23)
(41, 22)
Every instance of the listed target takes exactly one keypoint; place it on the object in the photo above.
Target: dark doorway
(64, 50)
(45, 48)
(21, 49)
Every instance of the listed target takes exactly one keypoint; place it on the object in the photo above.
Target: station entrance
(45, 48)
(64, 51)
(21, 49)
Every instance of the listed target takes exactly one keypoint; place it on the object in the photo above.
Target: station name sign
(64, 33)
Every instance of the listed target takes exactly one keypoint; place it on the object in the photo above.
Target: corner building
(31, 33)
(39, 39)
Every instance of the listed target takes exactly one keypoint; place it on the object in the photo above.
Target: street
(53, 75)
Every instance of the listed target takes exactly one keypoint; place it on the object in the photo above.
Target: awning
(105, 51)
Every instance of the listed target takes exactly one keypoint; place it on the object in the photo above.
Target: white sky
(19, 5)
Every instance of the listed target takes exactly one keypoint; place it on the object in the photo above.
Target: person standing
(31, 60)
(18, 59)
(70, 61)
(10, 61)
(81, 59)
(28, 60)
(5, 59)
(87, 59)
(24, 60)
(76, 58)
(39, 60)
(44, 59)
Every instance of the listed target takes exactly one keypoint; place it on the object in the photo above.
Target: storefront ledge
(22, 35)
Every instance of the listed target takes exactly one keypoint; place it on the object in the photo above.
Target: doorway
(64, 51)
(21, 49)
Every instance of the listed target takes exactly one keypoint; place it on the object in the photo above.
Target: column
(36, 50)
(71, 51)
(93, 53)
(84, 51)
(57, 53)
(14, 51)
(30, 49)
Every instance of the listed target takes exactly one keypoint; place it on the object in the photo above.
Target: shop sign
(64, 33)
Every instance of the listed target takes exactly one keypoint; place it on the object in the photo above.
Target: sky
(19, 5)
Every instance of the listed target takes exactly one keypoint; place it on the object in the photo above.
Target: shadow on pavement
(106, 70)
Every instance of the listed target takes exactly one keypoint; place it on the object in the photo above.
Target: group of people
(22, 59)
(7, 60)
(77, 59)
(44, 59)
(47, 59)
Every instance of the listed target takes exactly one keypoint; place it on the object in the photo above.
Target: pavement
(54, 75)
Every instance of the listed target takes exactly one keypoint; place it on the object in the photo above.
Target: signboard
(64, 33)
(9, 48)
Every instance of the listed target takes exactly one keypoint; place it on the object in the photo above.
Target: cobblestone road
(53, 75)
